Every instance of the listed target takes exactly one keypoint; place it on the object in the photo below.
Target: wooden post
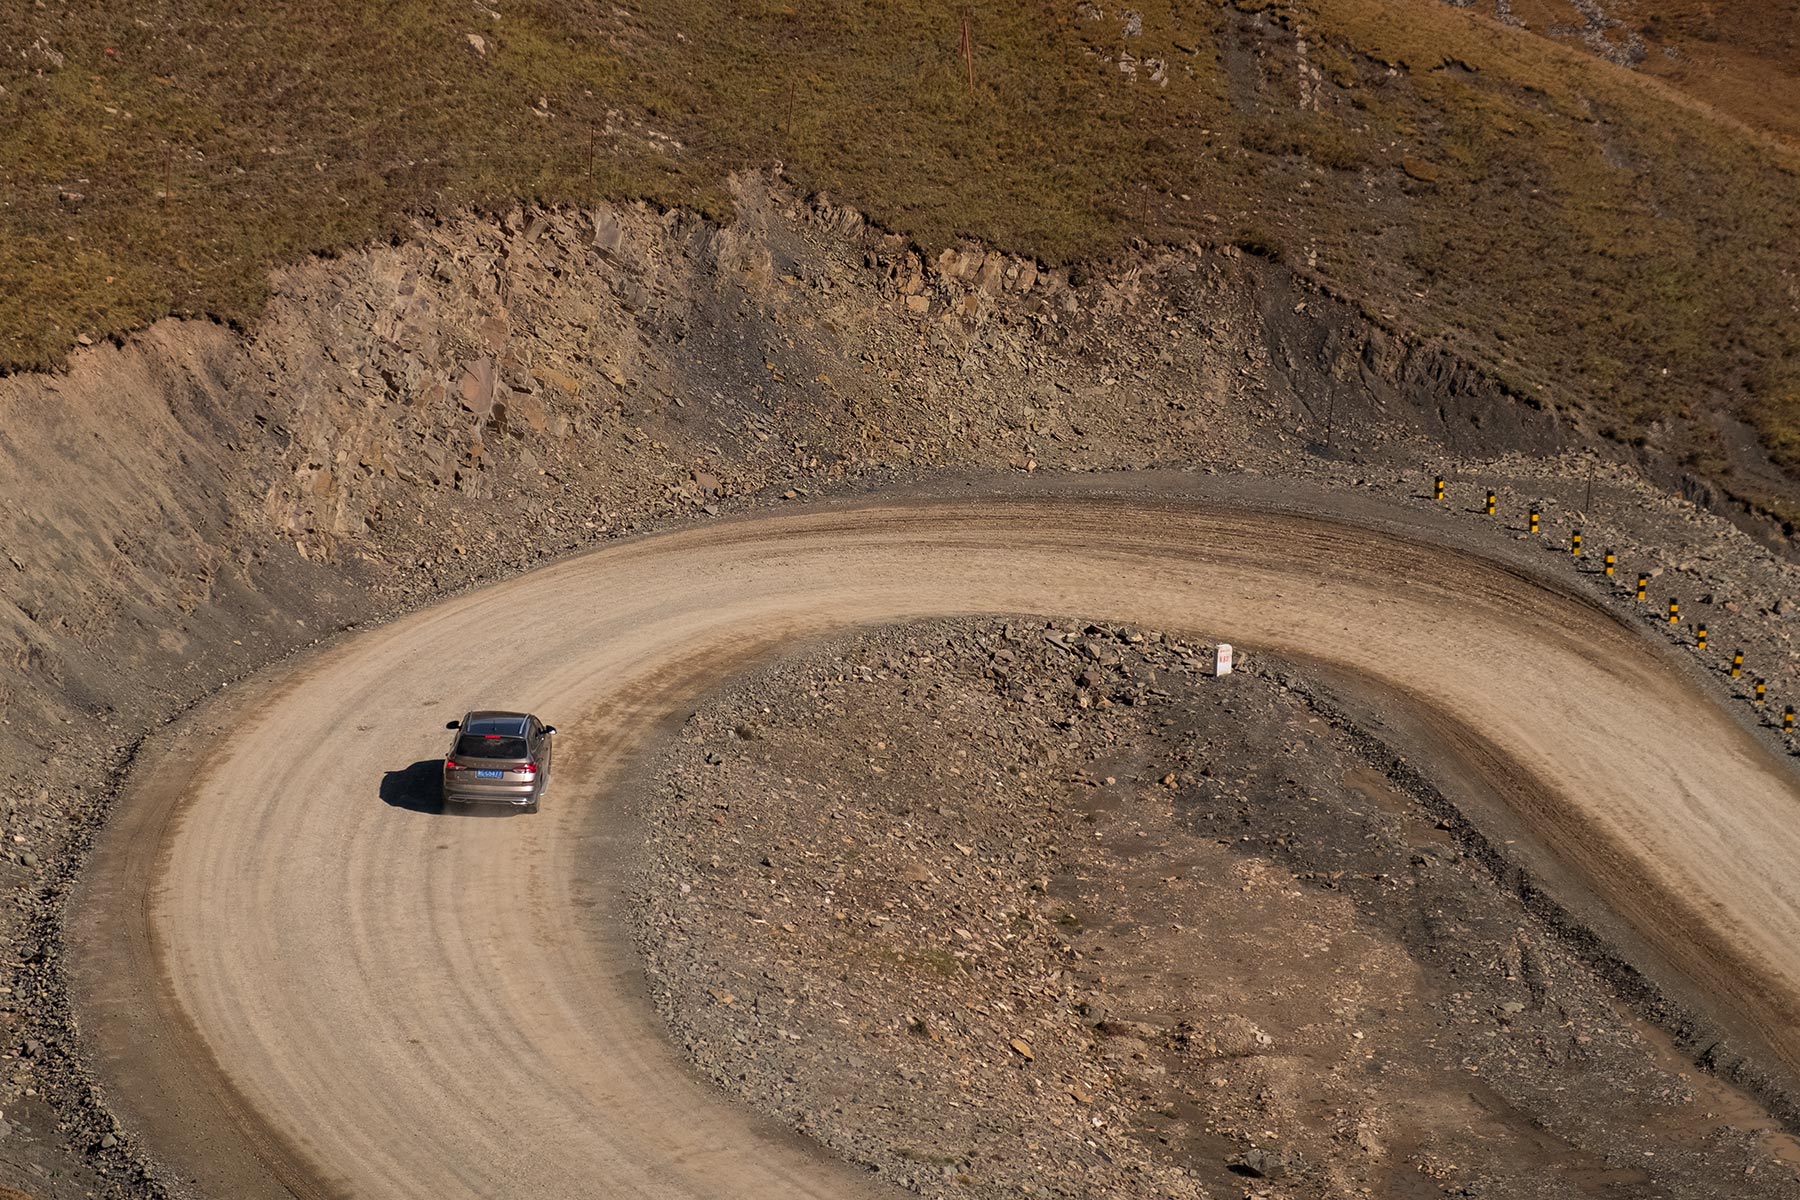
(968, 49)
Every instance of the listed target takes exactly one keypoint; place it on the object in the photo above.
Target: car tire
(532, 805)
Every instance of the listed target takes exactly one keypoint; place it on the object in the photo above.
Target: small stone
(1260, 1163)
(1022, 1048)
(526, 409)
(1419, 169)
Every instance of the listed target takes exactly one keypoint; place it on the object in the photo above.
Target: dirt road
(299, 978)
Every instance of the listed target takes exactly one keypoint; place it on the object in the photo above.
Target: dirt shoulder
(1033, 907)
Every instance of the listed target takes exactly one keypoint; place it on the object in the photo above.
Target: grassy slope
(1553, 218)
(1739, 58)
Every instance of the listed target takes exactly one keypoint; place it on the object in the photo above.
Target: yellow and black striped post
(1737, 663)
(1534, 520)
(1611, 562)
(1490, 504)
(1575, 543)
(1761, 688)
(1787, 719)
(1700, 638)
(1437, 488)
(1643, 587)
(1674, 611)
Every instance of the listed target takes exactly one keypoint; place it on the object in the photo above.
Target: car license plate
(485, 774)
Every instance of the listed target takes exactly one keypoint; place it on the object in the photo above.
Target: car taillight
(528, 768)
(450, 764)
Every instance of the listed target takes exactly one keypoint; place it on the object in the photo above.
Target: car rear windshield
(489, 745)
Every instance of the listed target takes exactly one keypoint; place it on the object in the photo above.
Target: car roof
(509, 723)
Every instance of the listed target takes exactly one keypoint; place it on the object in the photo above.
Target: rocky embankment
(1043, 908)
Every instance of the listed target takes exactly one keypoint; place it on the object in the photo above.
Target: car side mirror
(453, 725)
(549, 729)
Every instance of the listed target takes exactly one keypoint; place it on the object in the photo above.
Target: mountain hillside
(1739, 58)
(1603, 240)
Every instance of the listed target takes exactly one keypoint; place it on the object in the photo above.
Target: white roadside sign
(1222, 659)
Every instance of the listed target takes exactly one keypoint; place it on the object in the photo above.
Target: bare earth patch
(1045, 909)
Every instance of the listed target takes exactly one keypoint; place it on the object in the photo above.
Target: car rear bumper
(491, 793)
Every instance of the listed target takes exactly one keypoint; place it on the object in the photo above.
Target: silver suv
(498, 758)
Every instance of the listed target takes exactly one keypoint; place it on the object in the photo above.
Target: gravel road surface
(299, 978)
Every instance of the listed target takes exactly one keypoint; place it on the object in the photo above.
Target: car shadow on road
(418, 788)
